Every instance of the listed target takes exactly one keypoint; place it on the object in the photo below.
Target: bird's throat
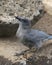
(21, 31)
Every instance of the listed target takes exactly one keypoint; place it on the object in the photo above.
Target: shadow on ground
(41, 60)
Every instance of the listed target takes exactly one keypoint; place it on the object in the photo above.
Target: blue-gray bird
(29, 36)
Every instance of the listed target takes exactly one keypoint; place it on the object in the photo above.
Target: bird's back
(36, 35)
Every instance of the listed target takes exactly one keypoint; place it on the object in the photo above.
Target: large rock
(48, 6)
(24, 8)
(44, 24)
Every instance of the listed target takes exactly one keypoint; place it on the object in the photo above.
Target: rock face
(24, 8)
(48, 6)
(44, 24)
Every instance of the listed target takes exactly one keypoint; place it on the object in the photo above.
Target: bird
(28, 36)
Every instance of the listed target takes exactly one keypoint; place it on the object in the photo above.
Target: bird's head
(25, 22)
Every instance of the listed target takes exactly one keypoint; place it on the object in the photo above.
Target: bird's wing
(36, 35)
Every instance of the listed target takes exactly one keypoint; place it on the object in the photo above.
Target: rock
(44, 24)
(23, 8)
(48, 6)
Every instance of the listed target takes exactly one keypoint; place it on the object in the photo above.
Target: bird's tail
(49, 38)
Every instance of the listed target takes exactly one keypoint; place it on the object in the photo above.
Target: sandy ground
(10, 46)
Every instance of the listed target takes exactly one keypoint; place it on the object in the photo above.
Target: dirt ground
(10, 46)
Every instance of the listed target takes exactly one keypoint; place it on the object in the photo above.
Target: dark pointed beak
(18, 18)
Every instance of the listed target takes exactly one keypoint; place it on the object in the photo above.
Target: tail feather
(50, 37)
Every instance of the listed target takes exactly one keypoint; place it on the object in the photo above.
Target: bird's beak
(18, 18)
